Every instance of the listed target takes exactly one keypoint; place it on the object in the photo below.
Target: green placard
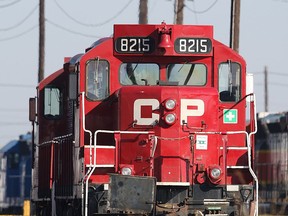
(230, 116)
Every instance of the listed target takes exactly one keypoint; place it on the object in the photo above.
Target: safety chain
(173, 139)
(54, 140)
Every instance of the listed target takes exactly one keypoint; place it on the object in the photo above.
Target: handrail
(84, 212)
(253, 109)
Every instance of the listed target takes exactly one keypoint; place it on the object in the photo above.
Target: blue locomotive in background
(15, 174)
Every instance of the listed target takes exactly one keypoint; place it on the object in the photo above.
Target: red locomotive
(150, 121)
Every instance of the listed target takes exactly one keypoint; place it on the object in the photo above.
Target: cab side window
(52, 102)
(97, 79)
(229, 81)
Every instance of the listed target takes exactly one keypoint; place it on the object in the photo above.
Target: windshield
(139, 74)
(187, 74)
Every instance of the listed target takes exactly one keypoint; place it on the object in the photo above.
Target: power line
(203, 11)
(278, 84)
(273, 83)
(71, 31)
(9, 4)
(16, 85)
(272, 73)
(96, 24)
(59, 26)
(13, 123)
(19, 35)
(21, 22)
(278, 74)
(196, 17)
(13, 110)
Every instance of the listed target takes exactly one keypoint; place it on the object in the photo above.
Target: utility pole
(178, 11)
(235, 25)
(266, 88)
(143, 11)
(41, 39)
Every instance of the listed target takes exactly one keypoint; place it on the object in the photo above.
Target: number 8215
(134, 45)
(193, 45)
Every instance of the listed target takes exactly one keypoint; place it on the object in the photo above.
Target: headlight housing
(170, 118)
(170, 104)
(126, 171)
(215, 174)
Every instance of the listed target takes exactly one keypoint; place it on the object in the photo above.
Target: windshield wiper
(189, 74)
(130, 72)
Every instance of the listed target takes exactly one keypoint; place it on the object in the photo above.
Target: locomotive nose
(173, 114)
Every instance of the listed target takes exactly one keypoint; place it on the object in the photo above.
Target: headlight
(126, 171)
(215, 173)
(170, 118)
(170, 104)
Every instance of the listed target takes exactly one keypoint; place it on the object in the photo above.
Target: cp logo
(188, 107)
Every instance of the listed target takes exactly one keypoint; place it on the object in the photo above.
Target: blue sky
(72, 26)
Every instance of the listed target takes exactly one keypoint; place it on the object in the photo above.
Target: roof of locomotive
(98, 42)
(48, 79)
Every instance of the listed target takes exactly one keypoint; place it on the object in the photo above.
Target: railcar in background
(15, 174)
(149, 121)
(271, 162)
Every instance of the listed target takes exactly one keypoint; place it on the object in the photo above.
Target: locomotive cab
(151, 121)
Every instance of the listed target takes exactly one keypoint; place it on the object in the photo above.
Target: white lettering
(189, 107)
(196, 108)
(138, 104)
